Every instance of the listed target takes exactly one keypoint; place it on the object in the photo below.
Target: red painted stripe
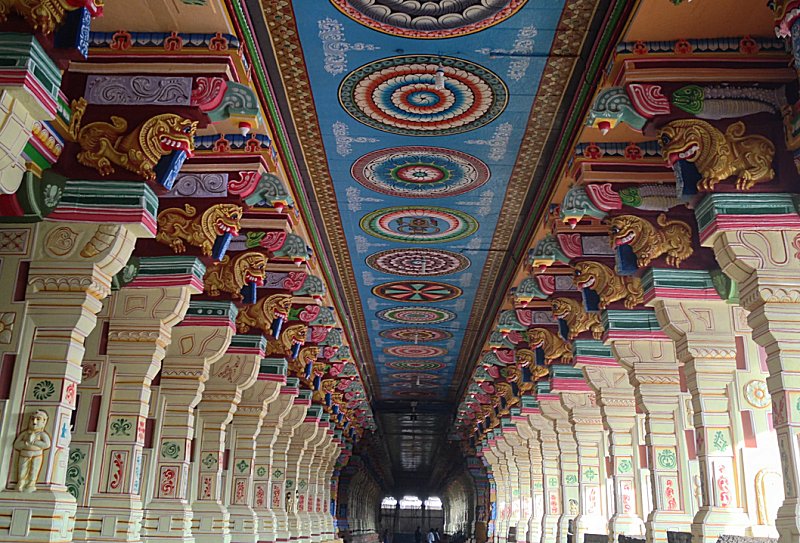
(670, 293)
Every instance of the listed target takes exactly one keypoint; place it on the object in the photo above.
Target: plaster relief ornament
(552, 345)
(264, 315)
(211, 230)
(717, 155)
(674, 238)
(404, 95)
(104, 144)
(429, 20)
(608, 286)
(30, 446)
(293, 338)
(233, 275)
(577, 318)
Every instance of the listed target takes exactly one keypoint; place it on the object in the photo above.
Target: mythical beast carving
(232, 274)
(261, 314)
(674, 238)
(577, 318)
(104, 144)
(176, 226)
(718, 155)
(553, 346)
(609, 286)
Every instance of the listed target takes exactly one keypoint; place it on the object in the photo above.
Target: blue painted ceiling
(421, 161)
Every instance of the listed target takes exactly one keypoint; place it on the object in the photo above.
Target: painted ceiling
(422, 107)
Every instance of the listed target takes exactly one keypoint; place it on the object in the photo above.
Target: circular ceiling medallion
(400, 95)
(420, 172)
(415, 365)
(416, 335)
(411, 224)
(431, 19)
(415, 351)
(412, 384)
(414, 393)
(416, 315)
(417, 291)
(414, 375)
(418, 262)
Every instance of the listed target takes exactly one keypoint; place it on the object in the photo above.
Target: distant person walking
(417, 535)
(436, 537)
(431, 537)
(385, 538)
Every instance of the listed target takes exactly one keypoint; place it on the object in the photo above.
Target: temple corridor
(399, 271)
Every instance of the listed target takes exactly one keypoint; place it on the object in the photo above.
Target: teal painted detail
(249, 342)
(314, 411)
(324, 318)
(37, 197)
(334, 338)
(171, 265)
(547, 250)
(543, 386)
(563, 371)
(24, 53)
(305, 395)
(744, 204)
(128, 273)
(591, 347)
(509, 322)
(577, 205)
(634, 319)
(614, 103)
(269, 191)
(528, 290)
(109, 195)
(292, 382)
(293, 247)
(727, 288)
(238, 101)
(203, 308)
(498, 341)
(670, 278)
(274, 366)
(313, 286)
(529, 402)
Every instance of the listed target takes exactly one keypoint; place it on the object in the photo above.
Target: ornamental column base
(46, 515)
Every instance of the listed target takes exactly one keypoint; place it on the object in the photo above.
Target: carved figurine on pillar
(30, 445)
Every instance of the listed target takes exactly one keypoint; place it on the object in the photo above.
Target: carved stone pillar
(551, 407)
(243, 438)
(324, 478)
(281, 488)
(141, 318)
(653, 371)
(755, 238)
(701, 326)
(70, 273)
(318, 459)
(587, 427)
(512, 469)
(303, 438)
(497, 462)
(233, 373)
(268, 497)
(308, 455)
(615, 396)
(197, 342)
(551, 475)
(530, 435)
(520, 447)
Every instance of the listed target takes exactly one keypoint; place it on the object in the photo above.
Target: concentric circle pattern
(411, 384)
(414, 393)
(420, 172)
(418, 291)
(411, 224)
(416, 315)
(400, 95)
(415, 351)
(416, 335)
(418, 262)
(415, 365)
(432, 19)
(414, 375)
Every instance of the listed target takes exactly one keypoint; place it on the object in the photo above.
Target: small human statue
(30, 446)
